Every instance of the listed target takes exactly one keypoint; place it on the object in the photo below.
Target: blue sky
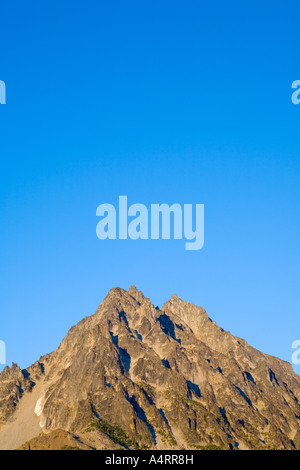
(162, 101)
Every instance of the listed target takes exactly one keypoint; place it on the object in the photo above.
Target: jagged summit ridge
(136, 376)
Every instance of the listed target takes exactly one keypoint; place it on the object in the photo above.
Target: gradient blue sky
(162, 101)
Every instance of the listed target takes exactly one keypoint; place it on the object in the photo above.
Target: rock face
(136, 377)
(13, 384)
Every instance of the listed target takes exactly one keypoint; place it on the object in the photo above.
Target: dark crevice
(125, 359)
(168, 327)
(243, 394)
(193, 388)
(141, 415)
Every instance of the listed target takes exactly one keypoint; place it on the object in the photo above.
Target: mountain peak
(135, 293)
(175, 298)
(135, 376)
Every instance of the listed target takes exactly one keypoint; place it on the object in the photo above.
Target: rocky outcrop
(144, 378)
(13, 384)
(55, 440)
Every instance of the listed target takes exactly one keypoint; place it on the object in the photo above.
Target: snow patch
(39, 407)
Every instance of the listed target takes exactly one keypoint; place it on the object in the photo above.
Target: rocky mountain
(133, 376)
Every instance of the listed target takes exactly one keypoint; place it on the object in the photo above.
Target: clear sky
(163, 101)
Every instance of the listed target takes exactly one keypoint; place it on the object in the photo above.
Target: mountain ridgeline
(133, 376)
